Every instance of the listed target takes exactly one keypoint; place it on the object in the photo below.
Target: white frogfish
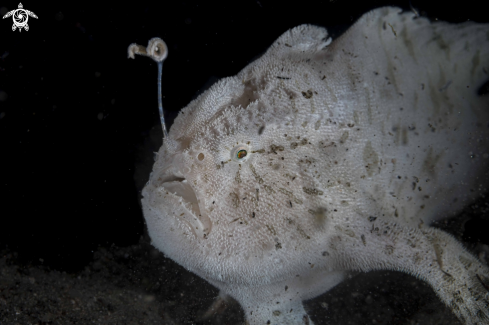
(324, 157)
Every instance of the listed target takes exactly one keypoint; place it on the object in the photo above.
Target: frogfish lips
(182, 202)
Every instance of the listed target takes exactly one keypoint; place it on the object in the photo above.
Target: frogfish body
(324, 157)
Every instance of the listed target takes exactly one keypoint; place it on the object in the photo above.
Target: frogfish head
(241, 184)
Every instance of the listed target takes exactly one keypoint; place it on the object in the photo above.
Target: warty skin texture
(353, 147)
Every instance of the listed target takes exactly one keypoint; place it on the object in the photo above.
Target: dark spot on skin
(275, 148)
(261, 129)
(307, 94)
(372, 219)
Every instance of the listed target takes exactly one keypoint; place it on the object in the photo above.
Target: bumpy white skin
(353, 148)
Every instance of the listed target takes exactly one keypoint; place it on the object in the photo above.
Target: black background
(79, 121)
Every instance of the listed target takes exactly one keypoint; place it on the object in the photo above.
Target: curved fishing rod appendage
(158, 51)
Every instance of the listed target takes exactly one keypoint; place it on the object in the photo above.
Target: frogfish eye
(240, 153)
